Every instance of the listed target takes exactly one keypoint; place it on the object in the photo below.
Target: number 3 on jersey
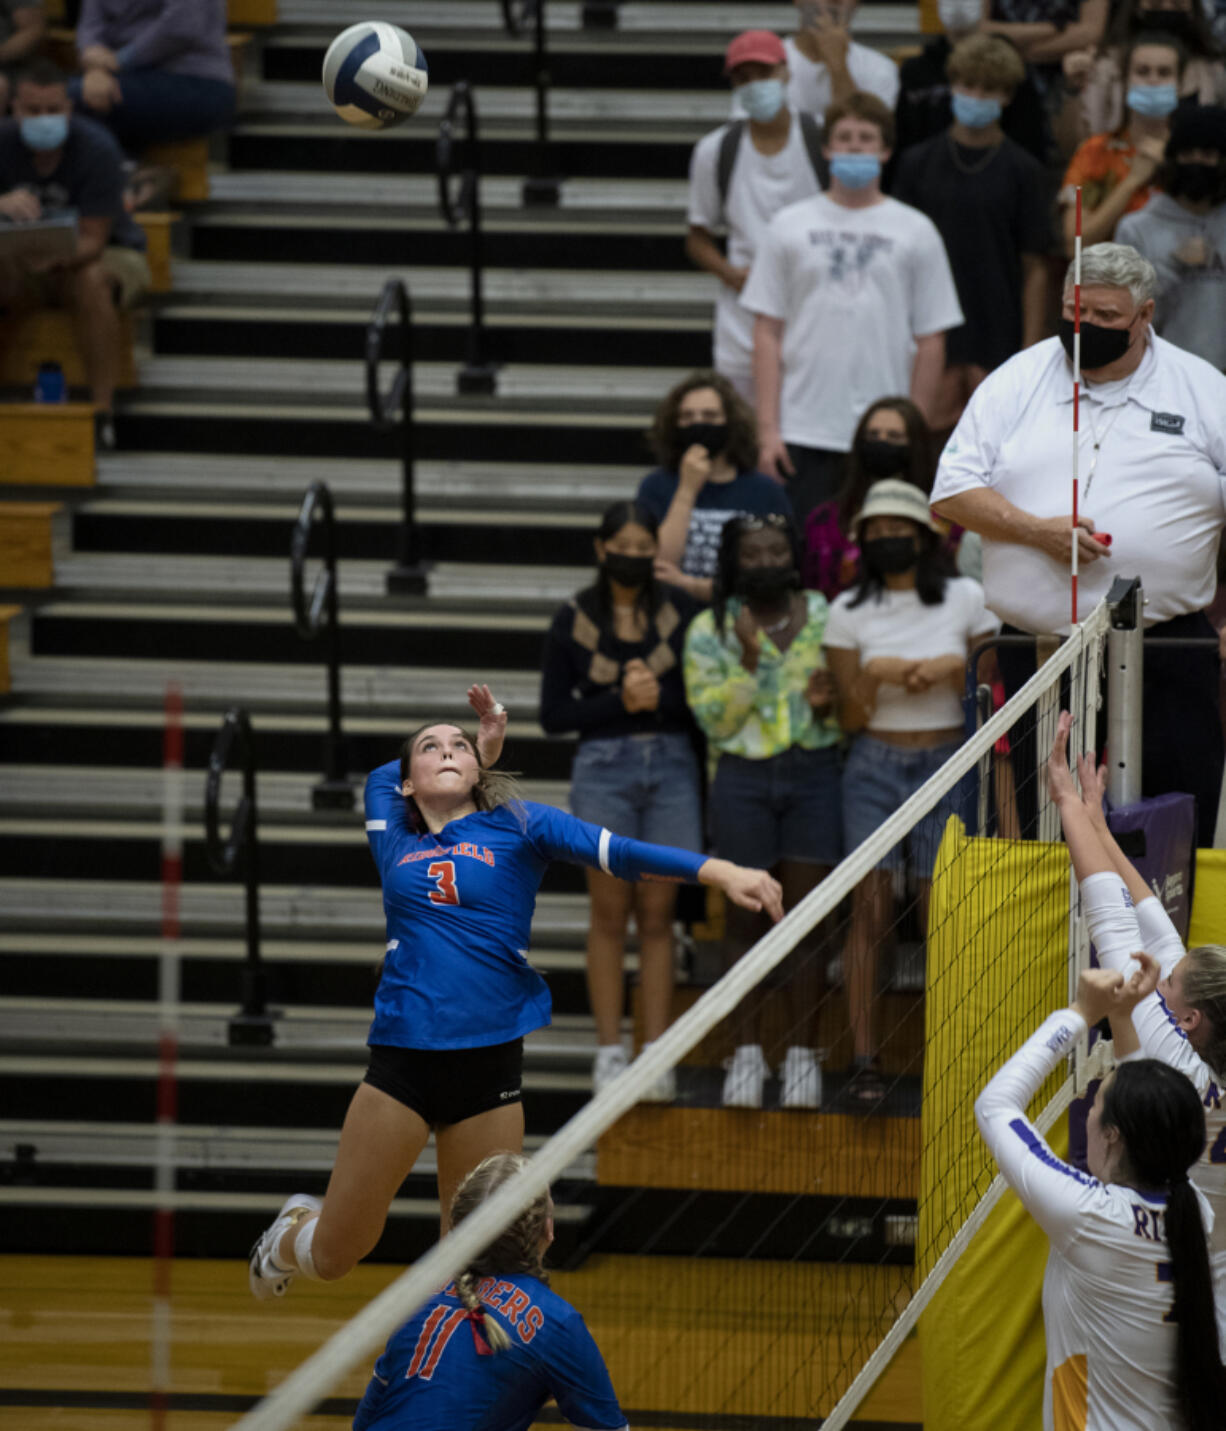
(443, 873)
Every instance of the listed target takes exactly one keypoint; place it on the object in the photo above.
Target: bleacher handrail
(322, 614)
(479, 374)
(253, 1024)
(393, 410)
(541, 186)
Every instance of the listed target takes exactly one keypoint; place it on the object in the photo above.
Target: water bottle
(49, 386)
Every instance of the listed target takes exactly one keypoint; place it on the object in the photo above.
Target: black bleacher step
(443, 433)
(319, 149)
(259, 334)
(574, 63)
(244, 1098)
(235, 531)
(131, 850)
(183, 633)
(431, 244)
(114, 739)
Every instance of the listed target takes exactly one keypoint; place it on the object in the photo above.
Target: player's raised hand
(492, 728)
(1093, 789)
(1059, 777)
(1141, 982)
(1099, 994)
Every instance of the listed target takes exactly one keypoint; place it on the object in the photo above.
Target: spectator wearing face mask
(891, 440)
(52, 161)
(757, 685)
(1182, 231)
(706, 442)
(612, 672)
(853, 294)
(988, 199)
(924, 109)
(741, 175)
(1094, 78)
(897, 646)
(1115, 171)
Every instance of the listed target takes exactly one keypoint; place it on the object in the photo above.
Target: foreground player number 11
(443, 871)
(425, 1356)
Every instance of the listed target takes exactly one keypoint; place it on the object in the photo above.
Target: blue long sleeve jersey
(431, 1376)
(459, 909)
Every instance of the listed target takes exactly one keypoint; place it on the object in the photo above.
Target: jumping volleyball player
(461, 857)
(490, 1349)
(1127, 1294)
(1184, 1022)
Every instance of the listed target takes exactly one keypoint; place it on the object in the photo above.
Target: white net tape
(370, 1329)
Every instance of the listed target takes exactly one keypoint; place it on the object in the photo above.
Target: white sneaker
(267, 1278)
(610, 1061)
(664, 1089)
(746, 1076)
(801, 1079)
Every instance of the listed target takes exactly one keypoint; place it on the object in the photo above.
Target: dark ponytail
(1162, 1123)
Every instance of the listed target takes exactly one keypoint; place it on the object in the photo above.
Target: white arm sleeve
(1055, 1194)
(1163, 1039)
(1111, 919)
(1159, 937)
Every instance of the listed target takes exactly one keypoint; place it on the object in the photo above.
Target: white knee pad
(303, 1239)
(1111, 919)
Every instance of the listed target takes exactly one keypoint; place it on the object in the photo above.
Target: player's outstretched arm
(1085, 848)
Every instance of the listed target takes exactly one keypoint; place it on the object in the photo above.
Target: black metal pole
(478, 376)
(541, 188)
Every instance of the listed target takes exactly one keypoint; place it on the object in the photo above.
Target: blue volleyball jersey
(459, 909)
(433, 1377)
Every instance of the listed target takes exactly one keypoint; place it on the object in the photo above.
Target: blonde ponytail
(466, 1290)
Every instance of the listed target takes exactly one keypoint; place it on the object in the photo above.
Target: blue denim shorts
(785, 807)
(878, 778)
(645, 787)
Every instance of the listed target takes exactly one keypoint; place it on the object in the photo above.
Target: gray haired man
(1153, 466)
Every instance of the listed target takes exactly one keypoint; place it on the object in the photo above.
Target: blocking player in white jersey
(1184, 1022)
(1123, 1353)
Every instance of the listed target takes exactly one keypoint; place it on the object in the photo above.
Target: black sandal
(867, 1088)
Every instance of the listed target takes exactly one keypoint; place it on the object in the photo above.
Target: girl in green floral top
(756, 682)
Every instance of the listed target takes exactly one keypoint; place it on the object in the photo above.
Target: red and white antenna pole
(1076, 396)
(168, 1054)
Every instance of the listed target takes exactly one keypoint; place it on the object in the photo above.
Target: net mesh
(744, 1266)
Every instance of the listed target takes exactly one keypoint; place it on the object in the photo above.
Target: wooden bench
(7, 613)
(251, 12)
(25, 543)
(27, 339)
(47, 444)
(189, 158)
(158, 232)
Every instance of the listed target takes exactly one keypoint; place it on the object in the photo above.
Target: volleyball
(375, 75)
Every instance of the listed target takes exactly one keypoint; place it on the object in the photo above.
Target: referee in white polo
(1153, 469)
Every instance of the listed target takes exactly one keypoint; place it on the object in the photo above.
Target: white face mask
(959, 15)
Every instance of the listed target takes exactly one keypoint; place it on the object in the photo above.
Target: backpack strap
(811, 133)
(728, 147)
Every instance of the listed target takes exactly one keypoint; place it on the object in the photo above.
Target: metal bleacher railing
(542, 186)
(321, 616)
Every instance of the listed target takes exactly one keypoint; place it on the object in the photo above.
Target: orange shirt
(1098, 166)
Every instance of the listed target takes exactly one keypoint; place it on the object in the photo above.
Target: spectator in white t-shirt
(853, 295)
(741, 175)
(897, 646)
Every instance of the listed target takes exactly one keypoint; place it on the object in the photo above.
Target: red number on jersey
(425, 1356)
(444, 872)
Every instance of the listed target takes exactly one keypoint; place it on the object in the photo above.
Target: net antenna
(1076, 396)
(366, 1333)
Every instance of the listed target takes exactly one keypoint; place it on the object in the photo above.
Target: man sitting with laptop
(65, 236)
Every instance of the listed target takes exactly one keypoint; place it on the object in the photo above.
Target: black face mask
(1197, 182)
(711, 435)
(1100, 347)
(889, 556)
(1170, 22)
(628, 570)
(883, 459)
(766, 583)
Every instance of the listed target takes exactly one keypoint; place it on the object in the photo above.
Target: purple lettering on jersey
(1213, 1096)
(1140, 1218)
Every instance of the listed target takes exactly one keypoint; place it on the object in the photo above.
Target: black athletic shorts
(447, 1085)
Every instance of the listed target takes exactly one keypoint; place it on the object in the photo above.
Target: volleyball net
(761, 1266)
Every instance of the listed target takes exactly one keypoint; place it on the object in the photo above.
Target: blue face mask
(44, 131)
(763, 99)
(973, 112)
(855, 171)
(1154, 101)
